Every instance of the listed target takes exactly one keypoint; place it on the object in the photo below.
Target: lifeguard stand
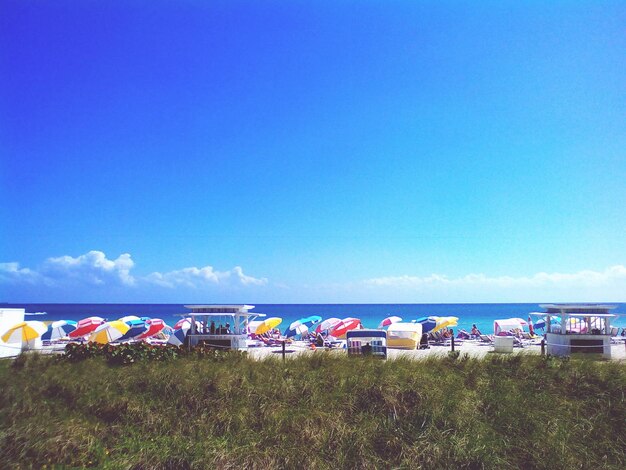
(219, 326)
(367, 343)
(578, 328)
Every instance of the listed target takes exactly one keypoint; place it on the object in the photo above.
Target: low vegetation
(319, 411)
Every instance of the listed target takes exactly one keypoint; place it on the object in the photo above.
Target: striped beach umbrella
(86, 326)
(24, 331)
(389, 321)
(137, 327)
(327, 324)
(446, 322)
(129, 318)
(177, 338)
(428, 323)
(267, 325)
(59, 329)
(345, 325)
(153, 326)
(109, 332)
(296, 328)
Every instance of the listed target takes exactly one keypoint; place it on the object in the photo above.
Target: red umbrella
(344, 326)
(153, 326)
(86, 326)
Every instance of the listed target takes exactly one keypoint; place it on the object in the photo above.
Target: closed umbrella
(267, 325)
(24, 331)
(59, 329)
(109, 332)
(86, 326)
(389, 321)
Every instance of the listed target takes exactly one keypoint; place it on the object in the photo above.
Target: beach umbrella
(177, 338)
(59, 329)
(24, 331)
(428, 323)
(137, 327)
(86, 326)
(109, 332)
(128, 318)
(267, 325)
(153, 326)
(311, 320)
(445, 322)
(296, 328)
(389, 321)
(327, 324)
(345, 325)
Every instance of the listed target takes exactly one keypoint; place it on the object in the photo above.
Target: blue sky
(312, 151)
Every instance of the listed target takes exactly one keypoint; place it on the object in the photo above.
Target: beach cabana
(502, 327)
(404, 335)
(367, 342)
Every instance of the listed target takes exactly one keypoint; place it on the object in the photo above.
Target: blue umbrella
(428, 323)
(310, 321)
(59, 329)
(136, 328)
(178, 336)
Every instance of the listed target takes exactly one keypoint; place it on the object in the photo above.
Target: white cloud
(540, 279)
(194, 277)
(12, 273)
(585, 285)
(95, 269)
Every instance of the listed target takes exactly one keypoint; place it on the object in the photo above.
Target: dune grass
(318, 411)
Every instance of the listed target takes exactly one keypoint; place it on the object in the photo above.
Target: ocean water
(483, 315)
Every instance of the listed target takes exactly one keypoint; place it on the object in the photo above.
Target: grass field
(317, 411)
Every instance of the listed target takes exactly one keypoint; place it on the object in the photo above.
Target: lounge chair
(486, 338)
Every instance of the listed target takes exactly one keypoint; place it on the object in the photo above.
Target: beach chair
(486, 338)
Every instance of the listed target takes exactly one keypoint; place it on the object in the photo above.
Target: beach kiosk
(367, 342)
(219, 326)
(578, 328)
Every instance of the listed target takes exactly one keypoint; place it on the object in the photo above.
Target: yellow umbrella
(268, 324)
(24, 331)
(109, 331)
(445, 322)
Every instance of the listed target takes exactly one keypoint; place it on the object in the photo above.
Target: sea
(483, 315)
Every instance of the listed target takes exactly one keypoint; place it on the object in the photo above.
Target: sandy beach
(471, 348)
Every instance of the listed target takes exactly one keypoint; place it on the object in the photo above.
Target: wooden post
(543, 347)
(452, 337)
(283, 350)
